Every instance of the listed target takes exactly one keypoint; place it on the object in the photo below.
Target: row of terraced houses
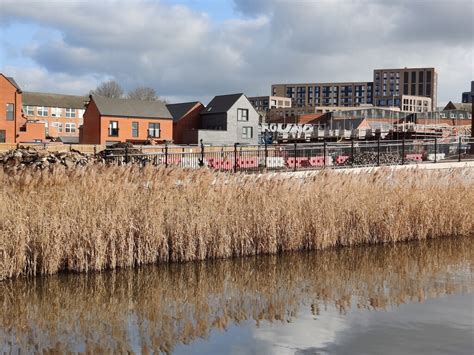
(41, 117)
(227, 119)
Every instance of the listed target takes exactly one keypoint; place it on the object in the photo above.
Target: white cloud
(184, 53)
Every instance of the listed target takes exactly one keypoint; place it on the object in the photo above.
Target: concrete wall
(214, 137)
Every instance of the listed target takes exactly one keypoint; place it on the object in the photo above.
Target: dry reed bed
(178, 303)
(102, 217)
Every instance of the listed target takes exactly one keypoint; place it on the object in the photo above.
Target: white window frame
(29, 110)
(55, 112)
(70, 113)
(70, 127)
(137, 130)
(58, 126)
(245, 132)
(80, 113)
(42, 111)
(154, 132)
(241, 116)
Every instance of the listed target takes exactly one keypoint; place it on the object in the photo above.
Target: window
(113, 129)
(29, 110)
(242, 114)
(59, 126)
(80, 113)
(70, 127)
(55, 112)
(42, 111)
(134, 129)
(247, 132)
(10, 109)
(70, 113)
(154, 130)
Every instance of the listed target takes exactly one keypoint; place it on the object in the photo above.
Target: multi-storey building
(61, 114)
(467, 97)
(391, 84)
(265, 103)
(326, 94)
(416, 103)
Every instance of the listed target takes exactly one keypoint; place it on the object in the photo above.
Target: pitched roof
(309, 118)
(13, 82)
(180, 109)
(221, 103)
(131, 108)
(458, 106)
(53, 100)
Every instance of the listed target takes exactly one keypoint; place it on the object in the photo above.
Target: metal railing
(301, 156)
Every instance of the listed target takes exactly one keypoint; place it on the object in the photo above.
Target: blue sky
(190, 49)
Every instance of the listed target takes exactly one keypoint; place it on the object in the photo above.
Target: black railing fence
(299, 156)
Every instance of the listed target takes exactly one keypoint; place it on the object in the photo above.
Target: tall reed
(102, 217)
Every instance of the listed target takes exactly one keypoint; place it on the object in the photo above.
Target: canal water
(409, 298)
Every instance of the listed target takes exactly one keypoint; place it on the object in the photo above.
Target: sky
(195, 49)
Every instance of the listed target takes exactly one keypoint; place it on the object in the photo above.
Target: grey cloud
(186, 54)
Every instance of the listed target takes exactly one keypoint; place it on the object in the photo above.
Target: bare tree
(110, 89)
(143, 93)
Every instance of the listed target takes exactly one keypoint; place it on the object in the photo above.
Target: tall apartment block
(326, 94)
(391, 84)
(265, 103)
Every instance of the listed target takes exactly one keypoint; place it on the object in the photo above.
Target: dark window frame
(113, 131)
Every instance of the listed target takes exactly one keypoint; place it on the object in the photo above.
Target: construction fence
(300, 156)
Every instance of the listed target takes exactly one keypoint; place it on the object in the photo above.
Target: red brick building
(186, 118)
(14, 126)
(108, 121)
(61, 114)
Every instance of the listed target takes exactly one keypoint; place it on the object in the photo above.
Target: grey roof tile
(178, 110)
(54, 100)
(221, 104)
(131, 108)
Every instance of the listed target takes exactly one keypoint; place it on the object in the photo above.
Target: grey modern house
(229, 119)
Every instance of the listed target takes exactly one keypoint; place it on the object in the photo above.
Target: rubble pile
(370, 159)
(119, 149)
(23, 157)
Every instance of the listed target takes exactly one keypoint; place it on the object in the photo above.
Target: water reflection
(164, 306)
